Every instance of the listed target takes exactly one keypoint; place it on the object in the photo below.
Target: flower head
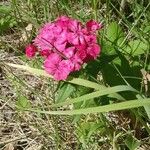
(30, 50)
(66, 44)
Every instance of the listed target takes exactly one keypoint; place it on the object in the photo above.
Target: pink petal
(91, 38)
(51, 63)
(73, 38)
(93, 50)
(77, 62)
(45, 53)
(59, 46)
(82, 39)
(43, 41)
(30, 50)
(74, 25)
(93, 25)
(81, 53)
(63, 70)
(63, 21)
(49, 67)
(69, 52)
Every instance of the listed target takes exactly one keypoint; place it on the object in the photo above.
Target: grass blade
(100, 109)
(40, 72)
(96, 94)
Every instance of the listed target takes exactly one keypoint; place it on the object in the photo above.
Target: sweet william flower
(66, 44)
(90, 38)
(81, 52)
(57, 67)
(76, 38)
(76, 33)
(51, 63)
(93, 51)
(59, 46)
(64, 68)
(30, 50)
(93, 25)
(77, 62)
(69, 52)
(63, 22)
(45, 53)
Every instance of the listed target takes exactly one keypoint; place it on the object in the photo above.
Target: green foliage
(65, 90)
(137, 47)
(86, 129)
(100, 109)
(22, 103)
(114, 33)
(6, 19)
(131, 142)
(92, 95)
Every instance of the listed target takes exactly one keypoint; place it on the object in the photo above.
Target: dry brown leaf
(26, 33)
(146, 78)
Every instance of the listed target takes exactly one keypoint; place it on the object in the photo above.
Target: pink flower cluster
(65, 45)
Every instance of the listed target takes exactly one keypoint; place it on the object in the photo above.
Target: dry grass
(29, 131)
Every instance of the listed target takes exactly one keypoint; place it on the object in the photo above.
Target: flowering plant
(65, 45)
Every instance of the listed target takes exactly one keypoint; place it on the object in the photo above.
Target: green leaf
(64, 92)
(23, 103)
(95, 94)
(100, 109)
(6, 20)
(147, 107)
(148, 67)
(4, 9)
(146, 29)
(132, 143)
(114, 33)
(86, 129)
(125, 69)
(90, 127)
(108, 48)
(86, 83)
(137, 47)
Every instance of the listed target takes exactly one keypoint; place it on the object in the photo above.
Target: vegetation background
(119, 75)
